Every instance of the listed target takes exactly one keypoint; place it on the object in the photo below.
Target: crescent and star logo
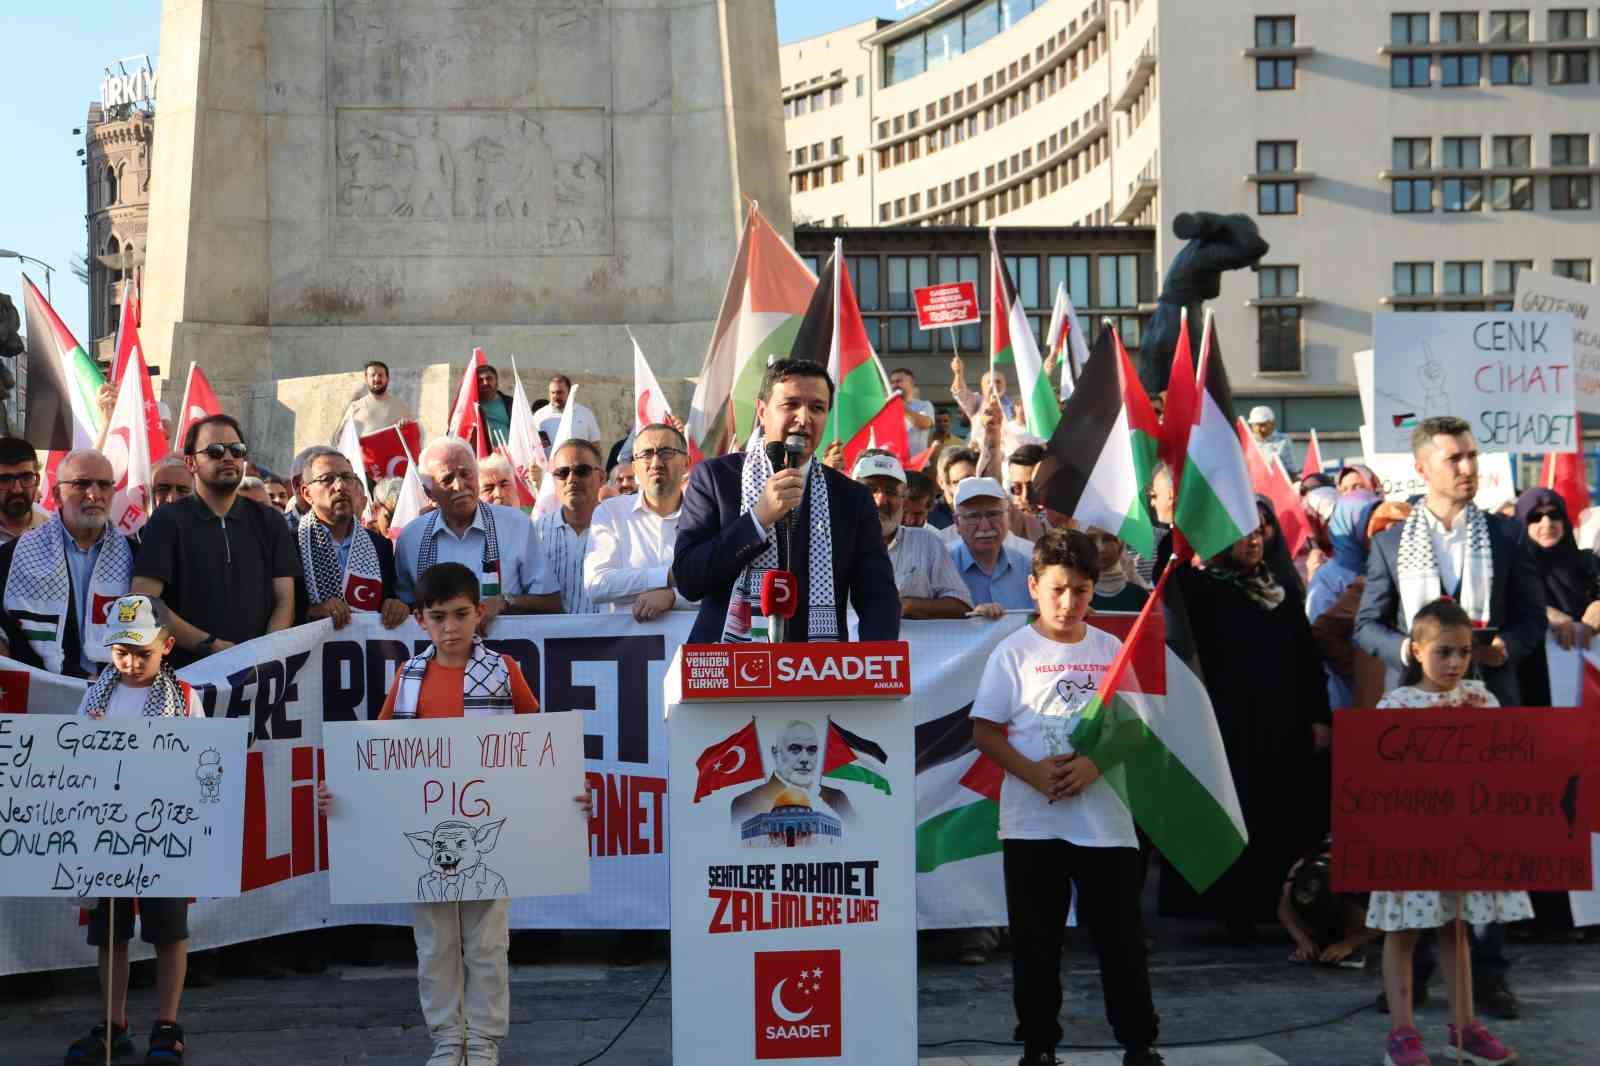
(798, 1004)
(363, 593)
(752, 669)
(738, 763)
(784, 1012)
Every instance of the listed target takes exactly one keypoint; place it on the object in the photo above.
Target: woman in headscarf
(1275, 551)
(1571, 580)
(1347, 530)
(1267, 689)
(1319, 505)
(1358, 477)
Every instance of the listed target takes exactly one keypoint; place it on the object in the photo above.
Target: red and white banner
(955, 304)
(387, 452)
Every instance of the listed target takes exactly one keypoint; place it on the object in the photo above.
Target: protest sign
(1509, 375)
(120, 807)
(433, 810)
(1548, 294)
(1461, 799)
(955, 304)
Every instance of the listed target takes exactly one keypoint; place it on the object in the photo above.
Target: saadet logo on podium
(752, 670)
(798, 1011)
(877, 669)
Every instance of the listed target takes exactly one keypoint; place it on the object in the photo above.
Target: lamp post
(6, 253)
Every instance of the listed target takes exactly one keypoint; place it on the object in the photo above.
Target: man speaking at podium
(749, 517)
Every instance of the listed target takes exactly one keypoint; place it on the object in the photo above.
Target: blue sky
(52, 71)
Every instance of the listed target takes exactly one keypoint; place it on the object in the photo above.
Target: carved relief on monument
(473, 182)
(453, 53)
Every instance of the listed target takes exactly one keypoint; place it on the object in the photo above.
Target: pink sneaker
(1481, 1048)
(1405, 1049)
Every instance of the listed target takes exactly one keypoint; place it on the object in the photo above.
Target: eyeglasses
(583, 470)
(977, 518)
(84, 484)
(21, 481)
(666, 455)
(328, 481)
(215, 452)
(1539, 516)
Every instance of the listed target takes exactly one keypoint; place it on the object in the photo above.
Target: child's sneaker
(448, 1051)
(166, 1044)
(1480, 1047)
(92, 1048)
(1405, 1049)
(482, 1051)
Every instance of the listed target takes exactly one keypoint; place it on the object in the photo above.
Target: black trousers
(1039, 878)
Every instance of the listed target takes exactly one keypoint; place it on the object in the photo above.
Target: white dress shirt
(562, 550)
(1449, 549)
(520, 559)
(630, 551)
(584, 426)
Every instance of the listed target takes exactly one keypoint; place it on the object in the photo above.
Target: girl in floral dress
(1440, 653)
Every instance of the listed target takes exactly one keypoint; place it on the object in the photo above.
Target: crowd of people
(1371, 608)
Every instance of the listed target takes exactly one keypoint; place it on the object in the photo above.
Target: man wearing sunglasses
(734, 504)
(224, 565)
(632, 536)
(61, 578)
(344, 567)
(563, 534)
(19, 488)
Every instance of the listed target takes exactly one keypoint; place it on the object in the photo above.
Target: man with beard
(60, 578)
(225, 566)
(796, 762)
(548, 418)
(343, 566)
(496, 543)
(494, 405)
(631, 537)
(19, 487)
(377, 407)
(563, 534)
(929, 583)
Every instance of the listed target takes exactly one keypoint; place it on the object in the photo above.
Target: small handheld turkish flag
(799, 998)
(729, 762)
(363, 593)
(14, 691)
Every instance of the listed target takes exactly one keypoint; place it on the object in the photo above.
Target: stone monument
(339, 180)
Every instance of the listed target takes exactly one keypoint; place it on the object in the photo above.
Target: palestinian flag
(1013, 332)
(1151, 731)
(1105, 446)
(767, 292)
(1216, 505)
(855, 758)
(958, 793)
(63, 382)
(833, 335)
(37, 626)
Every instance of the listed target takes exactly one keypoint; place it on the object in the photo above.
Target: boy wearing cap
(139, 682)
(924, 574)
(1272, 444)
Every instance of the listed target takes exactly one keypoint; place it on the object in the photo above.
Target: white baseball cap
(974, 488)
(133, 620)
(879, 466)
(1261, 413)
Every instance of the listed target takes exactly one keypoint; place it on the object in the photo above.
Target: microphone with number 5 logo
(780, 592)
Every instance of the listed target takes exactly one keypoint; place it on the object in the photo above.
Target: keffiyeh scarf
(38, 591)
(822, 622)
(361, 583)
(1417, 571)
(489, 575)
(167, 697)
(485, 685)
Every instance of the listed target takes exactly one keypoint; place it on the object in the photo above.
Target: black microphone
(794, 445)
(779, 456)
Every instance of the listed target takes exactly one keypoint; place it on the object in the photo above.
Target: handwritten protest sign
(435, 810)
(1548, 294)
(1461, 799)
(120, 807)
(1509, 375)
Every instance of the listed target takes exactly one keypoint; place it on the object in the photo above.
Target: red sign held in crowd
(955, 304)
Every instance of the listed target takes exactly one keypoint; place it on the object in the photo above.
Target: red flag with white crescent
(363, 593)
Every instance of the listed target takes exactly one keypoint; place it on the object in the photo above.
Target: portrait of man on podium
(775, 510)
(791, 808)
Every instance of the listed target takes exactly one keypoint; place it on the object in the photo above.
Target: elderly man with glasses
(564, 534)
(224, 565)
(995, 571)
(631, 536)
(60, 578)
(344, 567)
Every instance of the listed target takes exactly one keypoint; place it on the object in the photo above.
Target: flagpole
(838, 264)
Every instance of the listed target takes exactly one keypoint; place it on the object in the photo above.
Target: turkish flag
(1567, 474)
(363, 593)
(100, 608)
(886, 430)
(199, 401)
(729, 762)
(798, 1004)
(388, 452)
(13, 692)
(1286, 502)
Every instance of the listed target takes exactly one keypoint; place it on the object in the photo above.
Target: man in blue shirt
(995, 572)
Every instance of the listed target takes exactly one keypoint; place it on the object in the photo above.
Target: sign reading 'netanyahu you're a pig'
(1511, 376)
(446, 810)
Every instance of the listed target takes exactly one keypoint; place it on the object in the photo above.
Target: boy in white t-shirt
(139, 682)
(1060, 824)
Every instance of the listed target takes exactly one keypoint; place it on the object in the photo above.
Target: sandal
(92, 1048)
(166, 1044)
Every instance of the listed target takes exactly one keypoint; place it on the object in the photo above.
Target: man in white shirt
(564, 533)
(377, 407)
(631, 537)
(547, 418)
(496, 543)
(1269, 442)
(919, 413)
(925, 574)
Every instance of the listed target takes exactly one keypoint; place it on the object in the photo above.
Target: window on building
(1510, 68)
(1408, 29)
(1463, 153)
(1461, 194)
(982, 23)
(1412, 153)
(1410, 72)
(904, 59)
(836, 173)
(861, 85)
(1275, 31)
(1276, 282)
(1463, 279)
(1413, 279)
(1569, 24)
(864, 278)
(800, 156)
(883, 215)
(1569, 150)
(836, 95)
(1508, 26)
(1511, 194)
(836, 147)
(1506, 271)
(1118, 281)
(1278, 334)
(900, 207)
(1571, 193)
(1275, 72)
(1576, 269)
(1513, 151)
(1456, 71)
(1024, 272)
(1409, 196)
(1276, 157)
(1569, 68)
(1073, 270)
(111, 186)
(905, 272)
(1458, 27)
(1278, 198)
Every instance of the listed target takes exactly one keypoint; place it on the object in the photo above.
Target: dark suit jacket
(1516, 604)
(716, 542)
(382, 545)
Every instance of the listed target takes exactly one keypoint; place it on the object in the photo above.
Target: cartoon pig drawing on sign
(454, 853)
